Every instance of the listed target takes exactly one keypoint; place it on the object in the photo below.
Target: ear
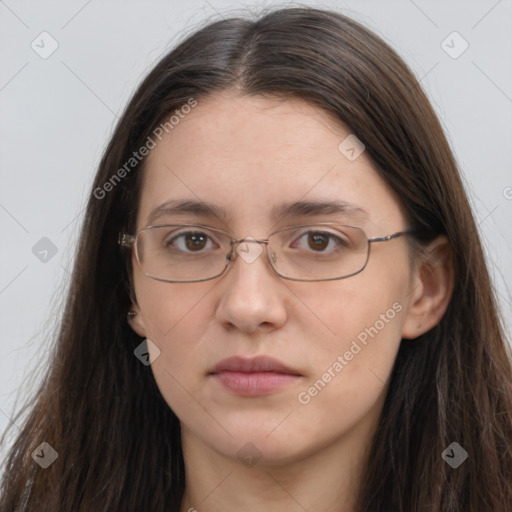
(136, 321)
(431, 289)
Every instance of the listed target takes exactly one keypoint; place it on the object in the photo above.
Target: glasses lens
(317, 252)
(195, 253)
(182, 253)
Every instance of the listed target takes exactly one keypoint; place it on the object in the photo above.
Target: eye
(190, 241)
(321, 241)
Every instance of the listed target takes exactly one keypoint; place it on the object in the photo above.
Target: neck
(326, 479)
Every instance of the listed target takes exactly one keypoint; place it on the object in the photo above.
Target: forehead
(249, 155)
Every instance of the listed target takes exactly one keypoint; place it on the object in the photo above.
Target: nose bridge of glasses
(240, 246)
(249, 239)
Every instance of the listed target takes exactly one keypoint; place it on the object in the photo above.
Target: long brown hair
(118, 441)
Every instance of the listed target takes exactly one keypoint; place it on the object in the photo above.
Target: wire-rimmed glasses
(185, 253)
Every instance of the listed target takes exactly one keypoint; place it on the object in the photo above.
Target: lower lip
(254, 383)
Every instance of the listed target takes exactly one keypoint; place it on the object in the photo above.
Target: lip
(253, 364)
(255, 376)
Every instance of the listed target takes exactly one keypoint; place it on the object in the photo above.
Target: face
(338, 339)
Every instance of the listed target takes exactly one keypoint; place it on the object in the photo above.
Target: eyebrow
(291, 209)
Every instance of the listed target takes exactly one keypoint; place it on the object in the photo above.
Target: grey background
(58, 113)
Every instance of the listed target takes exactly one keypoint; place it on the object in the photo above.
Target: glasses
(184, 253)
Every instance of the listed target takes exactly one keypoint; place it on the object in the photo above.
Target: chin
(271, 447)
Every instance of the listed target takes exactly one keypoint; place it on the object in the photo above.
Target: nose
(253, 295)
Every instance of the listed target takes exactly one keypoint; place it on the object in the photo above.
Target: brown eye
(190, 241)
(195, 241)
(321, 243)
(318, 241)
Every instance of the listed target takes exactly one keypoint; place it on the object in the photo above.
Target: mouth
(256, 376)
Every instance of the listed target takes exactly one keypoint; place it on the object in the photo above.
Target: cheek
(352, 338)
(358, 354)
(342, 312)
(175, 319)
(170, 308)
(356, 364)
(352, 367)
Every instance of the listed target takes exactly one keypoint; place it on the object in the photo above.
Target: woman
(279, 300)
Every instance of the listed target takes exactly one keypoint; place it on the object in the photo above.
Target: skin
(248, 154)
